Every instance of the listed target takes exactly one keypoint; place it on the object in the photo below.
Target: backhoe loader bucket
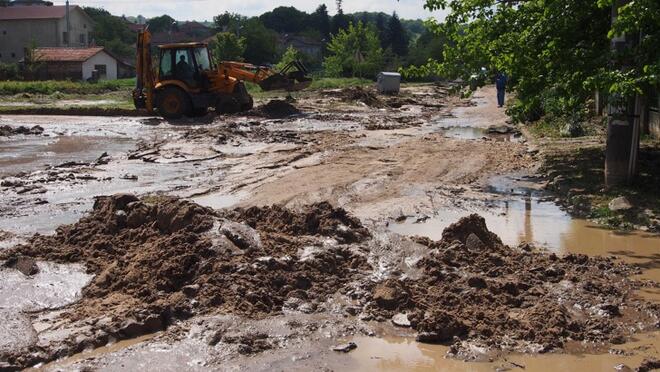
(291, 78)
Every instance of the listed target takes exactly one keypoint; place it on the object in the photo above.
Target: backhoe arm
(291, 78)
(143, 95)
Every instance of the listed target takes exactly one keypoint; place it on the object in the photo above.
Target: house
(22, 26)
(306, 45)
(77, 64)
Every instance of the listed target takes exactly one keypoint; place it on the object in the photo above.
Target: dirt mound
(6, 130)
(277, 109)
(318, 219)
(475, 289)
(156, 260)
(359, 94)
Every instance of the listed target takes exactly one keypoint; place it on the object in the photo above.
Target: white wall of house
(101, 58)
(81, 28)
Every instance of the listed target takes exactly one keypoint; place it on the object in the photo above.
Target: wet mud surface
(267, 240)
(160, 261)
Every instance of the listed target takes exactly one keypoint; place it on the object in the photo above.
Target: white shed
(76, 63)
(389, 82)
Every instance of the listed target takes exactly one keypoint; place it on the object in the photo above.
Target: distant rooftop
(33, 12)
(65, 54)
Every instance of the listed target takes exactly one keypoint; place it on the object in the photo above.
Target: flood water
(404, 354)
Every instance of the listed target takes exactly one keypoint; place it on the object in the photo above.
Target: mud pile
(476, 290)
(277, 109)
(359, 94)
(160, 259)
(6, 130)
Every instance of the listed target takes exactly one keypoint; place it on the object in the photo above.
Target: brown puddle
(404, 354)
(545, 224)
(65, 363)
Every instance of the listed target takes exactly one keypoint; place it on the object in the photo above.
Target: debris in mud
(345, 348)
(359, 94)
(160, 259)
(501, 129)
(648, 365)
(26, 265)
(277, 109)
(6, 130)
(401, 320)
(478, 290)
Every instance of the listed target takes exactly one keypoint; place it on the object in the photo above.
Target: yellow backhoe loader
(187, 82)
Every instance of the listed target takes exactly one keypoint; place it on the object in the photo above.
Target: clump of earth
(157, 260)
(477, 290)
(359, 94)
(7, 130)
(278, 109)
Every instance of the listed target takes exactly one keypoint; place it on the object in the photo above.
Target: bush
(9, 71)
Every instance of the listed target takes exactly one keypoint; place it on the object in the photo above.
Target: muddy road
(189, 266)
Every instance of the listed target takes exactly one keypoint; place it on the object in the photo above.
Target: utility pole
(68, 26)
(623, 124)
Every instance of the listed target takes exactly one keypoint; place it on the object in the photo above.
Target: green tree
(111, 32)
(291, 54)
(320, 20)
(397, 38)
(226, 46)
(260, 42)
(548, 48)
(428, 46)
(340, 21)
(382, 31)
(162, 23)
(354, 51)
(229, 22)
(285, 19)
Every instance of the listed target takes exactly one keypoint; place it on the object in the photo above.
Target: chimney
(68, 26)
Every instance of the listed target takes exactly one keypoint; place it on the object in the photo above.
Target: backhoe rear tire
(173, 103)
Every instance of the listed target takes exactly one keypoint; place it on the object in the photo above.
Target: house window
(4, 32)
(101, 70)
(13, 55)
(84, 25)
(65, 37)
(82, 39)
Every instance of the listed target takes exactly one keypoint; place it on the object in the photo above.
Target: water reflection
(528, 218)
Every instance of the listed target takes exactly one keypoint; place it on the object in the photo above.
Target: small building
(22, 26)
(78, 64)
(312, 48)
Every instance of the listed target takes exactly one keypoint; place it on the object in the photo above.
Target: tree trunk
(623, 124)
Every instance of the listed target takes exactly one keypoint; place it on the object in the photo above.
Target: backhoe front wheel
(173, 103)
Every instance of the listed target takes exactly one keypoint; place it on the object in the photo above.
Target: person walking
(500, 84)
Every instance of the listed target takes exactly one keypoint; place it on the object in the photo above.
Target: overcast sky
(205, 9)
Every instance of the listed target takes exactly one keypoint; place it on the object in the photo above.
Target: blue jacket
(500, 82)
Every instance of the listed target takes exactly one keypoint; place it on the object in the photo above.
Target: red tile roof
(65, 54)
(33, 12)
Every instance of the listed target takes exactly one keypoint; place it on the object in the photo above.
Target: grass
(550, 127)
(64, 87)
(24, 95)
(583, 170)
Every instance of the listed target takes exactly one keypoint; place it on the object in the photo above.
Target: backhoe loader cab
(186, 81)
